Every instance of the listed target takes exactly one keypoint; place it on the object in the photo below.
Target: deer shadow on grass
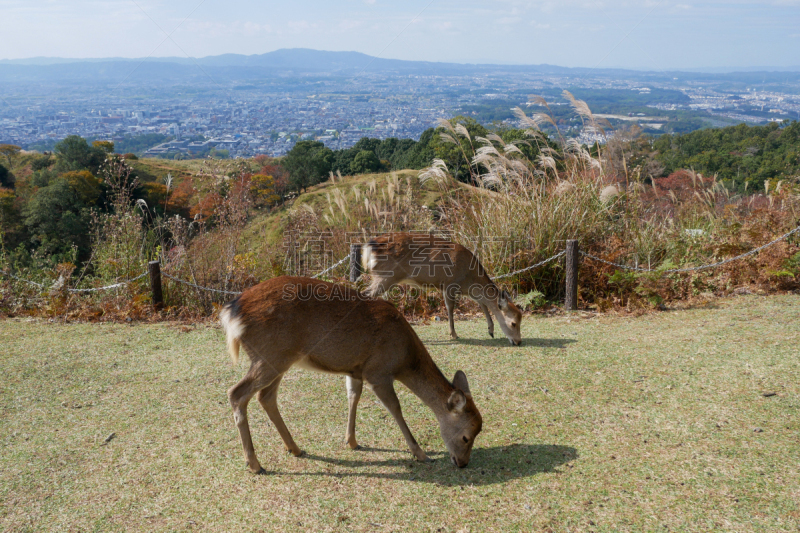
(487, 466)
(503, 342)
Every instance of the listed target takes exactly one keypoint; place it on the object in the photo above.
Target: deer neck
(491, 303)
(428, 383)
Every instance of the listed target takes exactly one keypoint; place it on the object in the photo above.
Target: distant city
(246, 117)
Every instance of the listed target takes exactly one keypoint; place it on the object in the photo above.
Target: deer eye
(465, 439)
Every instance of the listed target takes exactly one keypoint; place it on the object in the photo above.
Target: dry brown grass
(594, 424)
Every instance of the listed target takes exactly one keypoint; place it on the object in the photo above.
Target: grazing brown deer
(315, 325)
(425, 260)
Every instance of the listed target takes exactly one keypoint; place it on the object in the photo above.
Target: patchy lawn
(683, 420)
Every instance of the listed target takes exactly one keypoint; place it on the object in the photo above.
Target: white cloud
(443, 26)
(348, 25)
(301, 25)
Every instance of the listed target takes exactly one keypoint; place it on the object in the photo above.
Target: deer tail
(234, 328)
(368, 259)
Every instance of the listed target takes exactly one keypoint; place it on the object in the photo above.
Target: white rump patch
(234, 329)
(368, 258)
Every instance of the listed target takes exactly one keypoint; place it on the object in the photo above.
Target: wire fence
(502, 276)
(55, 285)
(537, 265)
(196, 286)
(12, 276)
(342, 260)
(140, 276)
(107, 287)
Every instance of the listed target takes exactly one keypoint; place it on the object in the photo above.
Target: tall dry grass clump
(316, 237)
(523, 211)
(120, 244)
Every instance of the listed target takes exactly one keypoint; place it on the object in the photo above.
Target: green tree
(367, 143)
(85, 185)
(387, 148)
(74, 153)
(11, 229)
(342, 160)
(364, 162)
(9, 151)
(6, 178)
(308, 163)
(57, 220)
(106, 146)
(736, 154)
(395, 150)
(419, 155)
(41, 162)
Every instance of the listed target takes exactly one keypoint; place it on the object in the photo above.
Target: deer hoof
(261, 472)
(491, 334)
(297, 453)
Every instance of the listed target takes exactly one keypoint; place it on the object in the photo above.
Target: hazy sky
(632, 34)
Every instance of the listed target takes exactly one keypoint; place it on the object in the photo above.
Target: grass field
(664, 422)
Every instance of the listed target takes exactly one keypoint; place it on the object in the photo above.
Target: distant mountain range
(301, 61)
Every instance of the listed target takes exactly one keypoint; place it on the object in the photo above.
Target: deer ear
(457, 401)
(503, 301)
(460, 382)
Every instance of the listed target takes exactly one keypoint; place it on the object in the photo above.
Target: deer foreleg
(354, 388)
(385, 393)
(489, 322)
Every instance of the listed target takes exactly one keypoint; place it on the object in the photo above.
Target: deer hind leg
(268, 398)
(385, 393)
(354, 388)
(450, 303)
(488, 319)
(239, 396)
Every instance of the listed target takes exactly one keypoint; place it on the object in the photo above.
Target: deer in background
(320, 326)
(425, 260)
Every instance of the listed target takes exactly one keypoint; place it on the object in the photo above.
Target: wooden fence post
(155, 284)
(571, 300)
(355, 262)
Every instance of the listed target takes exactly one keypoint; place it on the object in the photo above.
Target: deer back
(329, 327)
(424, 259)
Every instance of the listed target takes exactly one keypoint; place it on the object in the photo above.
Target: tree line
(47, 208)
(741, 156)
(310, 162)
